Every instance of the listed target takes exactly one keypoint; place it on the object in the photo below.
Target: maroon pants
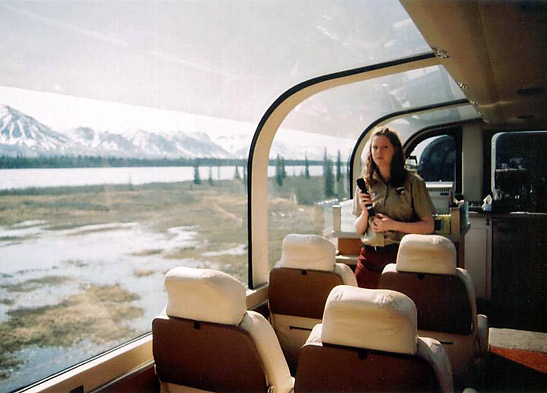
(371, 263)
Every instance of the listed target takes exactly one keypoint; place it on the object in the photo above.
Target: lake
(70, 177)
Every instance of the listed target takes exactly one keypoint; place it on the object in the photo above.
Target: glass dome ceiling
(224, 59)
(346, 111)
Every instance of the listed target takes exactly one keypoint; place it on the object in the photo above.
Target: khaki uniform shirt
(406, 204)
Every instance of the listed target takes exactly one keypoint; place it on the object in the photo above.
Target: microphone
(363, 187)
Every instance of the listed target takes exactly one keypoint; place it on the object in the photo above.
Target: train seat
(426, 272)
(299, 286)
(205, 338)
(368, 342)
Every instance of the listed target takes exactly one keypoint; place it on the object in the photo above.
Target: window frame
(454, 131)
(257, 208)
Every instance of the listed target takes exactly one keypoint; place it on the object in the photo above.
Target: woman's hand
(364, 200)
(361, 222)
(383, 223)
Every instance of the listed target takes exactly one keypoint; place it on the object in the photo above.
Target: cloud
(62, 25)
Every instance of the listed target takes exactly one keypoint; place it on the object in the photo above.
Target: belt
(386, 249)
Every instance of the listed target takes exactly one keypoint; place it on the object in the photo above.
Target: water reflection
(70, 177)
(43, 267)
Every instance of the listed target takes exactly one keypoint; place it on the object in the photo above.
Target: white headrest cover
(426, 254)
(205, 295)
(377, 319)
(312, 252)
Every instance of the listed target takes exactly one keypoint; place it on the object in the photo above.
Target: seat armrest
(344, 271)
(275, 366)
(482, 333)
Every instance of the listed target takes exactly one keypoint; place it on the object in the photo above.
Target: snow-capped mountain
(22, 134)
(292, 145)
(181, 144)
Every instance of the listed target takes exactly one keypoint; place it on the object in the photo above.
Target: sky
(63, 113)
(228, 59)
(212, 65)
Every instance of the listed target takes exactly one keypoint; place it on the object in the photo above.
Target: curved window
(346, 111)
(436, 158)
(124, 133)
(519, 171)
(342, 113)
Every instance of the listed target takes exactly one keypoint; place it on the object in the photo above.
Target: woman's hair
(398, 171)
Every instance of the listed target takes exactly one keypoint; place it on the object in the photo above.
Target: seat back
(206, 356)
(206, 339)
(426, 272)
(434, 295)
(299, 286)
(368, 342)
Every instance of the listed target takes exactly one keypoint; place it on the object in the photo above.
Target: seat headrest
(426, 254)
(377, 319)
(312, 252)
(205, 295)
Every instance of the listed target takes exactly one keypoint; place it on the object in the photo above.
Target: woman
(401, 204)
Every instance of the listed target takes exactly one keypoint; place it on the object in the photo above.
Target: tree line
(332, 173)
(80, 161)
(333, 182)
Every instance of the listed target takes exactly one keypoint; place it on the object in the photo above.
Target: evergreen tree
(338, 167)
(328, 175)
(278, 171)
(197, 179)
(211, 175)
(307, 167)
(236, 174)
(339, 177)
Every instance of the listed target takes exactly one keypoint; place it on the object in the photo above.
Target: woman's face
(382, 151)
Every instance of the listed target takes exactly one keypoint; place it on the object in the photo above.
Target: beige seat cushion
(307, 252)
(374, 319)
(426, 254)
(205, 295)
(383, 324)
(206, 301)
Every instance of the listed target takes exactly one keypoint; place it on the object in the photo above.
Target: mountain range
(24, 135)
(21, 134)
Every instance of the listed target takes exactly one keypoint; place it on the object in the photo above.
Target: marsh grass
(217, 212)
(76, 262)
(143, 272)
(30, 285)
(16, 238)
(147, 252)
(97, 313)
